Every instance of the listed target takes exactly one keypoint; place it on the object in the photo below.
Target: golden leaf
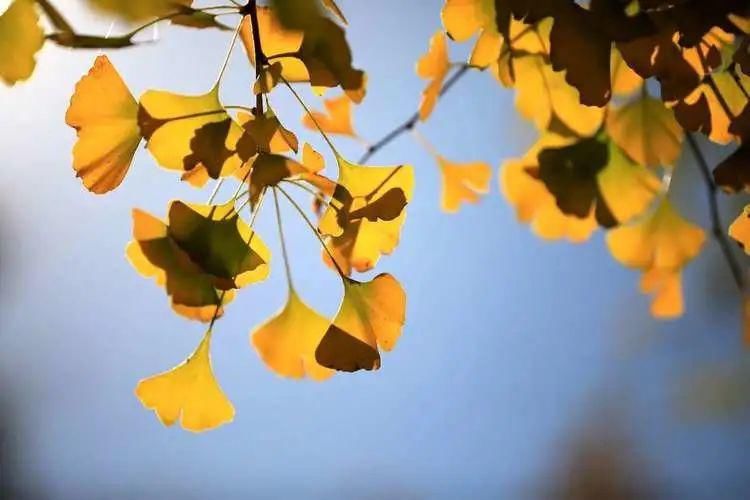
(647, 131)
(105, 116)
(336, 120)
(433, 66)
(287, 341)
(366, 213)
(463, 182)
(189, 393)
(21, 37)
(371, 316)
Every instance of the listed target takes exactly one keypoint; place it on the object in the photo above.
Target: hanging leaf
(533, 202)
(647, 131)
(105, 116)
(21, 38)
(365, 215)
(433, 66)
(542, 94)
(185, 132)
(371, 316)
(288, 340)
(189, 393)
(463, 182)
(336, 120)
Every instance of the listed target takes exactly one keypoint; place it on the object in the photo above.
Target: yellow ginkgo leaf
(463, 182)
(139, 10)
(287, 342)
(365, 215)
(624, 80)
(21, 37)
(525, 41)
(336, 120)
(542, 94)
(666, 288)
(204, 253)
(185, 132)
(732, 95)
(647, 131)
(276, 40)
(463, 18)
(662, 240)
(105, 115)
(740, 229)
(534, 203)
(189, 393)
(433, 66)
(627, 188)
(371, 316)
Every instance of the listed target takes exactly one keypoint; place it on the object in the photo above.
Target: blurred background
(527, 369)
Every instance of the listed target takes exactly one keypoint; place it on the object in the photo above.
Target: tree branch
(412, 121)
(717, 228)
(251, 9)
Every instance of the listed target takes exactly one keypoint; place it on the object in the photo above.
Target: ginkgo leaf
(647, 131)
(365, 215)
(105, 116)
(204, 253)
(268, 79)
(666, 288)
(703, 110)
(320, 56)
(433, 66)
(534, 203)
(662, 240)
(189, 393)
(21, 37)
(463, 182)
(185, 132)
(625, 81)
(336, 120)
(594, 175)
(139, 10)
(371, 316)
(521, 41)
(542, 94)
(739, 230)
(463, 18)
(288, 340)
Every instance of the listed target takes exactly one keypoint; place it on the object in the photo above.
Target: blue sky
(511, 344)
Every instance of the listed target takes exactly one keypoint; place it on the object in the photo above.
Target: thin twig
(717, 228)
(411, 122)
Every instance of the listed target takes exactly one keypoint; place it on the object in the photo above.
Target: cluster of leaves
(615, 90)
(203, 254)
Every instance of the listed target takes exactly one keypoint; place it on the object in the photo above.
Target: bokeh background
(527, 369)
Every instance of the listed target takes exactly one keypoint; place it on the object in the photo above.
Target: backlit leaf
(185, 132)
(288, 340)
(189, 393)
(21, 37)
(433, 66)
(463, 182)
(371, 316)
(533, 202)
(661, 240)
(336, 120)
(666, 288)
(105, 116)
(542, 94)
(366, 213)
(647, 131)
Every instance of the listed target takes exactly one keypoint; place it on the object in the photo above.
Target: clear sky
(512, 345)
